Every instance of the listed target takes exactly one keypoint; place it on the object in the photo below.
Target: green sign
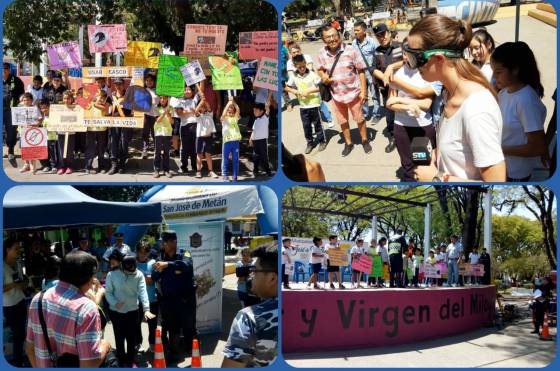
(376, 266)
(170, 80)
(225, 71)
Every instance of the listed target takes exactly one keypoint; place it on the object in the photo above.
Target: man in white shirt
(287, 254)
(454, 250)
(333, 244)
(356, 252)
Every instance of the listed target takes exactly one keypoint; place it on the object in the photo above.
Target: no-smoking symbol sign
(34, 137)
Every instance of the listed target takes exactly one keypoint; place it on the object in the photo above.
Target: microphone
(421, 149)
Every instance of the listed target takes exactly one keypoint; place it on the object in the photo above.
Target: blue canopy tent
(56, 206)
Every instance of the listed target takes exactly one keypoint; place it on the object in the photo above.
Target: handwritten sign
(25, 115)
(142, 54)
(106, 38)
(66, 119)
(432, 271)
(93, 72)
(34, 144)
(202, 59)
(89, 92)
(338, 257)
(193, 73)
(476, 270)
(362, 264)
(226, 74)
(255, 45)
(64, 55)
(267, 74)
(135, 122)
(170, 79)
(205, 39)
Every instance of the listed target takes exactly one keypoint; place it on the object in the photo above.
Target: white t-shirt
(316, 250)
(290, 65)
(37, 94)
(205, 125)
(260, 128)
(357, 250)
(412, 77)
(454, 250)
(382, 250)
(523, 112)
(471, 138)
(441, 257)
(155, 101)
(15, 295)
(473, 258)
(487, 71)
(287, 254)
(188, 104)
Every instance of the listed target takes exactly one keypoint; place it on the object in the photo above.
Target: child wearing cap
(259, 136)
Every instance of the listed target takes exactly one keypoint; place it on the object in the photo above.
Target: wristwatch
(444, 178)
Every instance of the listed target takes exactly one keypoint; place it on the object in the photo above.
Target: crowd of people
(402, 263)
(173, 127)
(83, 289)
(477, 104)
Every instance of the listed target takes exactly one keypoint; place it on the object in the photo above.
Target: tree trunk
(343, 7)
(471, 218)
(442, 197)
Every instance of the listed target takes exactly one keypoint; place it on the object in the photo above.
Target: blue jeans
(233, 148)
(326, 115)
(375, 108)
(452, 272)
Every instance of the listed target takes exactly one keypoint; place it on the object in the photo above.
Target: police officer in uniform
(173, 274)
(397, 247)
(123, 248)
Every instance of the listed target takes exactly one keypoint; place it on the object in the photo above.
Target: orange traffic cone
(159, 358)
(545, 335)
(196, 360)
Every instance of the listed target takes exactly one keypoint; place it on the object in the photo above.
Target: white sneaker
(213, 175)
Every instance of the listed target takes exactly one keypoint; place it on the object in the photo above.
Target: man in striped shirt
(72, 318)
(347, 83)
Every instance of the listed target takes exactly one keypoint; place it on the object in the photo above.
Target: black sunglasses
(418, 57)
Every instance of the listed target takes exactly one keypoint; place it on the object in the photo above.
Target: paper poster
(256, 45)
(142, 54)
(432, 271)
(202, 59)
(205, 39)
(25, 115)
(362, 264)
(193, 73)
(66, 119)
(477, 270)
(64, 55)
(169, 78)
(34, 144)
(106, 38)
(138, 98)
(338, 257)
(376, 266)
(226, 74)
(267, 74)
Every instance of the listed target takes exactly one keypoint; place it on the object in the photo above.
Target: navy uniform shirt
(177, 280)
(386, 55)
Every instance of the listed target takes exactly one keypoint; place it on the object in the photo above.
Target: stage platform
(327, 319)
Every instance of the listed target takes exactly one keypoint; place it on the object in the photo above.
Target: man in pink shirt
(71, 317)
(347, 83)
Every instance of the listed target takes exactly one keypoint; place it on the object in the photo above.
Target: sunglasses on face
(418, 57)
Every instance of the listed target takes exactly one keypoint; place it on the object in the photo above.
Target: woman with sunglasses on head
(469, 133)
(518, 78)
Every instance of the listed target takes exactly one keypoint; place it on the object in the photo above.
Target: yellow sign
(134, 122)
(66, 119)
(142, 54)
(93, 72)
(338, 257)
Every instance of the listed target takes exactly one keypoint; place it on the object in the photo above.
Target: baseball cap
(380, 28)
(169, 235)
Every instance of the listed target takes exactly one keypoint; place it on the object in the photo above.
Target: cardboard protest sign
(338, 257)
(66, 119)
(255, 45)
(477, 270)
(442, 267)
(89, 92)
(376, 266)
(106, 38)
(267, 74)
(362, 264)
(134, 122)
(193, 73)
(170, 79)
(25, 115)
(93, 72)
(34, 144)
(64, 55)
(432, 271)
(142, 54)
(202, 59)
(226, 74)
(205, 39)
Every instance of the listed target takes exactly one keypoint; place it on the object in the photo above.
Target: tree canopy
(29, 24)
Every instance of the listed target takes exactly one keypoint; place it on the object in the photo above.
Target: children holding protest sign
(231, 136)
(205, 128)
(162, 132)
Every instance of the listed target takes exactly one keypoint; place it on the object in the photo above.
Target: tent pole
(517, 11)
